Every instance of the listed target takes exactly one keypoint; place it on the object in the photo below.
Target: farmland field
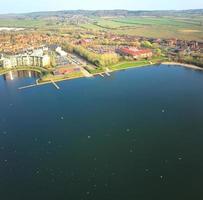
(164, 27)
(182, 27)
(26, 23)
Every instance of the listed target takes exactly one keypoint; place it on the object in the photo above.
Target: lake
(137, 134)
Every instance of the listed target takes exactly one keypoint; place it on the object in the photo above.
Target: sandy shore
(183, 65)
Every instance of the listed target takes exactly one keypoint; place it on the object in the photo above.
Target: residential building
(135, 53)
(25, 60)
(61, 52)
(45, 60)
(6, 63)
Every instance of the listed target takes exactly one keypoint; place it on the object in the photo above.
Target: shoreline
(190, 66)
(34, 69)
(98, 73)
(126, 68)
(130, 67)
(38, 82)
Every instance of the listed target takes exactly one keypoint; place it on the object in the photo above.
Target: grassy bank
(50, 77)
(47, 77)
(127, 64)
(96, 70)
(132, 64)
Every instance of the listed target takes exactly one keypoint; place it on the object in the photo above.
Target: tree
(53, 59)
(146, 44)
(68, 47)
(158, 52)
(97, 59)
(155, 45)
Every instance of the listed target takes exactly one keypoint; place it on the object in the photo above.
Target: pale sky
(20, 6)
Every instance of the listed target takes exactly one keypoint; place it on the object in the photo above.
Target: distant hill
(102, 13)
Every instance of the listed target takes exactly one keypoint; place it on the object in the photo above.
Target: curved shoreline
(183, 65)
(95, 74)
(131, 67)
(37, 69)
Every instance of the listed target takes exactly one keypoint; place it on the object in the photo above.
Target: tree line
(100, 60)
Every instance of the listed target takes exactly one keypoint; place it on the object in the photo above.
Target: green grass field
(164, 27)
(188, 28)
(132, 64)
(126, 65)
(25, 23)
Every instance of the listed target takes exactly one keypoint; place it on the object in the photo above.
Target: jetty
(101, 74)
(55, 85)
(28, 86)
(38, 84)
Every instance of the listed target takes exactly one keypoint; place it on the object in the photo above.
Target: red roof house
(135, 53)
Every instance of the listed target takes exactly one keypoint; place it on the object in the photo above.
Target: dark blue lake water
(137, 135)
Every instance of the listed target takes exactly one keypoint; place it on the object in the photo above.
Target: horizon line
(40, 11)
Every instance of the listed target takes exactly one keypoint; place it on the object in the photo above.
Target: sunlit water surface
(137, 135)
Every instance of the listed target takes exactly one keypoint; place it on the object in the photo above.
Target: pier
(101, 75)
(28, 86)
(55, 85)
(38, 84)
(85, 73)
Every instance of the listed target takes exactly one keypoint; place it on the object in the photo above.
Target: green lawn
(127, 64)
(96, 70)
(58, 78)
(132, 64)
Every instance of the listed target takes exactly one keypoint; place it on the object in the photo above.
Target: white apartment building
(26, 60)
(61, 52)
(34, 58)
